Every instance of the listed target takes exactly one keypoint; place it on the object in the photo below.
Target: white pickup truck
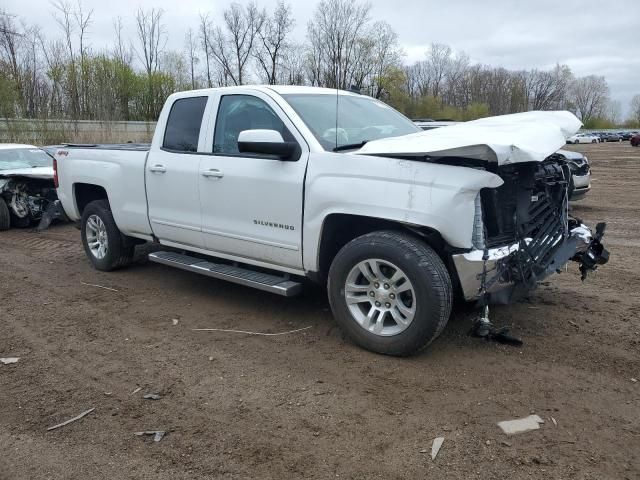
(266, 186)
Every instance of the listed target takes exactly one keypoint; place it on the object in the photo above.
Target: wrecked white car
(27, 191)
(266, 186)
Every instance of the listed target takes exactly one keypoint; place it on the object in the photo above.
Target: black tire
(594, 141)
(426, 272)
(120, 249)
(17, 222)
(5, 217)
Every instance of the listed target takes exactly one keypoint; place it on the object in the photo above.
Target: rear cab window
(183, 124)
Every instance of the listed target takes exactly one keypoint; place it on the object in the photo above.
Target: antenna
(337, 97)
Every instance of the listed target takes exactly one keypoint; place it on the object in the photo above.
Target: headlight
(477, 238)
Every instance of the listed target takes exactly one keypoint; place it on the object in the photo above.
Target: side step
(243, 276)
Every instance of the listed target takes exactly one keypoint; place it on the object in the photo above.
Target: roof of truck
(280, 89)
(7, 146)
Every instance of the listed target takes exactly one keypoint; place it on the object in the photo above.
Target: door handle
(215, 173)
(158, 169)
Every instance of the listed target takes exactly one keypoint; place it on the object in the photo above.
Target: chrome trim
(286, 246)
(176, 225)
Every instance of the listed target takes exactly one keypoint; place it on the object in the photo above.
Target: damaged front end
(30, 200)
(523, 232)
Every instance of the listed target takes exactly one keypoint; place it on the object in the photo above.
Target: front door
(251, 204)
(172, 175)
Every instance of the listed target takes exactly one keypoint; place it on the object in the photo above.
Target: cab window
(183, 124)
(237, 113)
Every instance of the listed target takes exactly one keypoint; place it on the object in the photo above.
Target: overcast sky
(590, 36)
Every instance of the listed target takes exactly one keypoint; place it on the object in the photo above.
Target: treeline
(67, 77)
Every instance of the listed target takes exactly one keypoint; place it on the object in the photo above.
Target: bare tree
(274, 42)
(191, 55)
(121, 51)
(635, 109)
(333, 33)
(232, 46)
(205, 39)
(151, 37)
(590, 96)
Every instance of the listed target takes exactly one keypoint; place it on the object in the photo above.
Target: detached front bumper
(491, 272)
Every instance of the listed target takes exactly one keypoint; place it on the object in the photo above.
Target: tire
(99, 228)
(594, 141)
(428, 292)
(5, 217)
(577, 142)
(17, 222)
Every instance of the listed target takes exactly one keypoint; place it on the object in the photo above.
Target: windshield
(16, 158)
(360, 119)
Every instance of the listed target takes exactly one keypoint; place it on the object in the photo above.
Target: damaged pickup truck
(267, 186)
(27, 191)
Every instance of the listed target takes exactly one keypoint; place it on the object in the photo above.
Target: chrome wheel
(380, 297)
(96, 233)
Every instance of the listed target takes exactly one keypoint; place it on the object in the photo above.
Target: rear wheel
(390, 292)
(105, 246)
(5, 217)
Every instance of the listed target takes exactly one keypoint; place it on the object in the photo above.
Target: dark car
(635, 140)
(612, 137)
(625, 135)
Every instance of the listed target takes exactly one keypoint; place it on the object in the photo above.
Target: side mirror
(266, 142)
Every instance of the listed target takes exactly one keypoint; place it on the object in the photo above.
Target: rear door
(172, 175)
(252, 204)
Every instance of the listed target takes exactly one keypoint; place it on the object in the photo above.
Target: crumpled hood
(505, 139)
(37, 172)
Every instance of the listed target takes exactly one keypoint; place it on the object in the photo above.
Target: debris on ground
(136, 390)
(9, 360)
(521, 425)
(435, 447)
(554, 421)
(99, 286)
(71, 420)
(505, 443)
(634, 380)
(248, 333)
(175, 321)
(157, 434)
(152, 396)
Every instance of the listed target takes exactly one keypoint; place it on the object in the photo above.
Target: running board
(243, 276)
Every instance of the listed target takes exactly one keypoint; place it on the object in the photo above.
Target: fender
(440, 197)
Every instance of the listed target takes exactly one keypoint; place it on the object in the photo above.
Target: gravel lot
(310, 404)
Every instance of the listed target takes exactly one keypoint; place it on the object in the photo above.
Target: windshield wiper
(350, 146)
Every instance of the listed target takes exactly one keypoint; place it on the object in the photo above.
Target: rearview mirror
(266, 142)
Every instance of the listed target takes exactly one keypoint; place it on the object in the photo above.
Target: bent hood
(505, 139)
(44, 173)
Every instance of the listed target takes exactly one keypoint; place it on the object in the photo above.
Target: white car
(583, 138)
(268, 185)
(26, 186)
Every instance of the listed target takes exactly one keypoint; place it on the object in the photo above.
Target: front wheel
(390, 292)
(105, 246)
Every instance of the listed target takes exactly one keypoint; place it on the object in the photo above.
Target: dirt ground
(311, 404)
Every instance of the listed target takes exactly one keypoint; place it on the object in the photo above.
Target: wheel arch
(85, 193)
(338, 229)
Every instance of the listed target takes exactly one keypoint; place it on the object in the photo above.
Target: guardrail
(42, 132)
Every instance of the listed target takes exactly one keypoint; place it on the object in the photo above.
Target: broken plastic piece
(435, 447)
(9, 360)
(152, 396)
(157, 434)
(521, 425)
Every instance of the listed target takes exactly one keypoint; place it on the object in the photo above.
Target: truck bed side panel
(121, 174)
